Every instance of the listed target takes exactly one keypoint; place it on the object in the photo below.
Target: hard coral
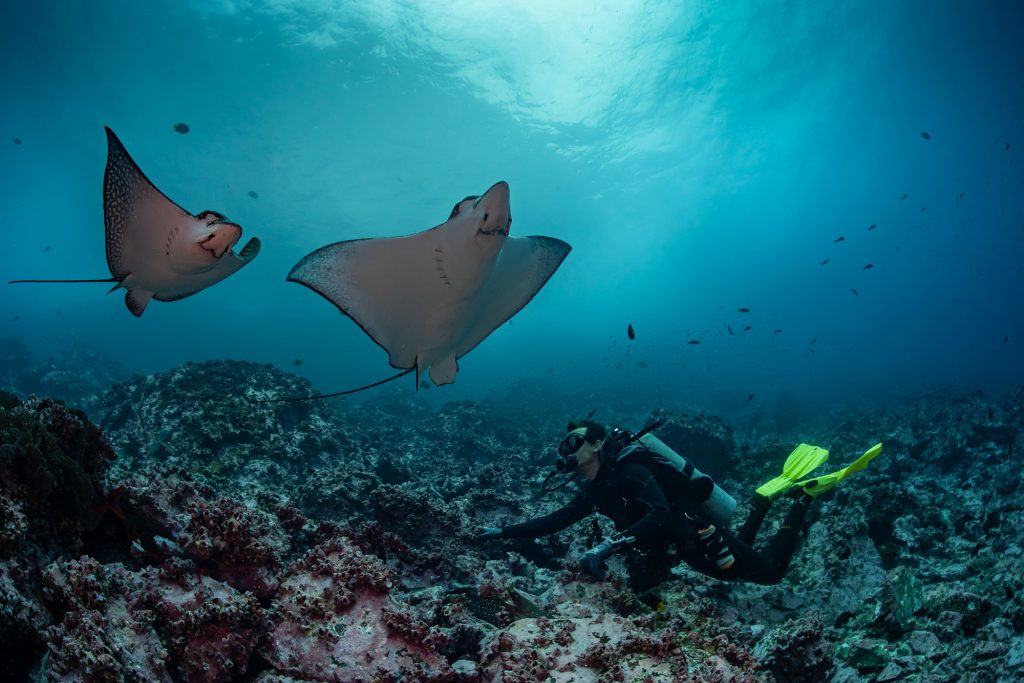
(796, 651)
(103, 634)
(333, 621)
(52, 460)
(211, 628)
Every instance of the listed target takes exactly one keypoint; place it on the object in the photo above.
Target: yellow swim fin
(800, 462)
(819, 485)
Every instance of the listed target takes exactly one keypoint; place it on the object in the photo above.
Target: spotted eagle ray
(156, 249)
(428, 299)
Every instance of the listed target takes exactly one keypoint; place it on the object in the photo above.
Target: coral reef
(311, 542)
(202, 416)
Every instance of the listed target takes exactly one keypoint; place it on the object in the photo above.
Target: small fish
(813, 340)
(252, 193)
(1007, 146)
(46, 248)
(872, 226)
(630, 332)
(17, 141)
(642, 364)
(869, 266)
(1006, 340)
(745, 329)
(424, 384)
(297, 362)
(839, 239)
(743, 310)
(855, 292)
(750, 398)
(961, 195)
(905, 195)
(181, 128)
(694, 341)
(923, 209)
(824, 262)
(730, 330)
(778, 331)
(925, 135)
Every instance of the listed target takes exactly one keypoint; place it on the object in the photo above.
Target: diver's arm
(578, 508)
(641, 488)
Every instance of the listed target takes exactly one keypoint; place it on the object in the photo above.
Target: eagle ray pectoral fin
(251, 250)
(444, 371)
(136, 300)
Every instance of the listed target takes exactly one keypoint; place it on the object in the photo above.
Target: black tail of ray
(336, 393)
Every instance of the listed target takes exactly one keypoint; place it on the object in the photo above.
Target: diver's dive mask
(566, 461)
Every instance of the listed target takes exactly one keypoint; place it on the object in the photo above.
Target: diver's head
(581, 447)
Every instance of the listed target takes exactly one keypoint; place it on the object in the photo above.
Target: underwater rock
(200, 416)
(796, 651)
(333, 620)
(79, 376)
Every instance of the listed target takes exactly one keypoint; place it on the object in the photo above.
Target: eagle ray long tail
(106, 279)
(336, 393)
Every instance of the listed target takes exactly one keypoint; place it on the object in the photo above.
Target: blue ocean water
(700, 158)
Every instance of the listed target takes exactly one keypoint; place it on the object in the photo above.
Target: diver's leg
(758, 509)
(748, 564)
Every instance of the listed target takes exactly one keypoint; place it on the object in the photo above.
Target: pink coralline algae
(211, 628)
(105, 635)
(334, 621)
(235, 544)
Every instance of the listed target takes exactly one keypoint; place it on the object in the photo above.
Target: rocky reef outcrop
(232, 540)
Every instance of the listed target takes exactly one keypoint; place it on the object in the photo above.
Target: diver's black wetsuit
(629, 494)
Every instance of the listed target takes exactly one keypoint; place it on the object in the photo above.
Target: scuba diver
(665, 511)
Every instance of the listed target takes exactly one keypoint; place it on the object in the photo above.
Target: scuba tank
(711, 500)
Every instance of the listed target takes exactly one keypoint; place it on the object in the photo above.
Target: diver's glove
(593, 561)
(486, 533)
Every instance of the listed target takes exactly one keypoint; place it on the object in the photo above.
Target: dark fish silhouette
(813, 340)
(694, 341)
(630, 332)
(1007, 146)
(839, 239)
(743, 310)
(642, 364)
(868, 266)
(730, 329)
(905, 195)
(181, 128)
(252, 193)
(1005, 339)
(855, 292)
(923, 209)
(824, 262)
(297, 362)
(961, 195)
(17, 141)
(746, 328)
(926, 136)
(750, 398)
(424, 384)
(778, 331)
(872, 226)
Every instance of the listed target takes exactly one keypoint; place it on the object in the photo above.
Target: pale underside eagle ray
(428, 299)
(156, 249)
